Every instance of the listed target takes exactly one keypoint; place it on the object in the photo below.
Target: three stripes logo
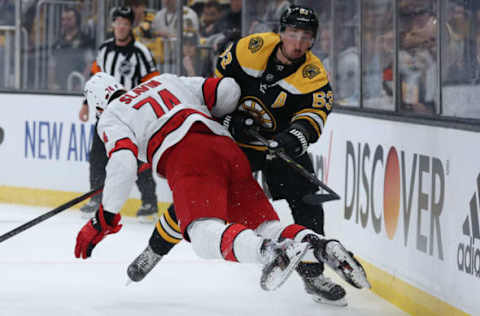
(468, 255)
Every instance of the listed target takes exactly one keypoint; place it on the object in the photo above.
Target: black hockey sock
(163, 238)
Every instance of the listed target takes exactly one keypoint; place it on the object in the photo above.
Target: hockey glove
(237, 124)
(292, 141)
(95, 230)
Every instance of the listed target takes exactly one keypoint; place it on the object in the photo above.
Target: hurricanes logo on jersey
(310, 71)
(255, 44)
(125, 68)
(258, 110)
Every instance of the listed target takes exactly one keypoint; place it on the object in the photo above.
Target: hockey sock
(166, 233)
(212, 239)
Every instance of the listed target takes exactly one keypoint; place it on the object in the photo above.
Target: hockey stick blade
(300, 169)
(318, 199)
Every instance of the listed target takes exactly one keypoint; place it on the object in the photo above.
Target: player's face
(296, 42)
(121, 29)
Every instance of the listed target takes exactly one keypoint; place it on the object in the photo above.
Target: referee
(131, 63)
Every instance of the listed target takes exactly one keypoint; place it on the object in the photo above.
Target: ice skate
(324, 290)
(280, 261)
(143, 264)
(90, 208)
(343, 263)
(147, 213)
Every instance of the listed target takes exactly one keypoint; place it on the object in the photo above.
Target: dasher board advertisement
(410, 201)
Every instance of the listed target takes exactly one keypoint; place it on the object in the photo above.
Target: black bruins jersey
(277, 94)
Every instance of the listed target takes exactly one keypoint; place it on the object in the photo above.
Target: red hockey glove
(95, 230)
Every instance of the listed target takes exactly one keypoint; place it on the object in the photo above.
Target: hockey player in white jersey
(169, 122)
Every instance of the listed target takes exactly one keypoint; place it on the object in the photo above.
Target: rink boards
(409, 207)
(45, 154)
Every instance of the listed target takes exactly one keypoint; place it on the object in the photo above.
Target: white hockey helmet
(99, 89)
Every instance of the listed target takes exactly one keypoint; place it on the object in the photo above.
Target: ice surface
(40, 276)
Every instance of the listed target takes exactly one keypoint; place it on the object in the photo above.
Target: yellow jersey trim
(256, 147)
(311, 121)
(322, 113)
(252, 53)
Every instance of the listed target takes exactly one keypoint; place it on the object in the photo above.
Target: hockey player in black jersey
(285, 89)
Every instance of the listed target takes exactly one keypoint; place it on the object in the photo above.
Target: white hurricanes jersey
(148, 120)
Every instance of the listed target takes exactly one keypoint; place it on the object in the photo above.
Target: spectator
(70, 52)
(138, 7)
(347, 79)
(143, 30)
(386, 46)
(218, 44)
(232, 20)
(91, 19)
(196, 5)
(378, 56)
(131, 63)
(269, 21)
(165, 22)
(459, 48)
(417, 61)
(192, 60)
(211, 14)
(165, 25)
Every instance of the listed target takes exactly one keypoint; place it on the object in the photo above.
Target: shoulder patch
(255, 44)
(310, 71)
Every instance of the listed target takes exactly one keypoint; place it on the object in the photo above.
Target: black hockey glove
(237, 124)
(292, 141)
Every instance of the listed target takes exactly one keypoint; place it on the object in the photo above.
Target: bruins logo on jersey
(258, 110)
(255, 44)
(310, 71)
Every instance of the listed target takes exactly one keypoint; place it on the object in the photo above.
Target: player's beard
(290, 59)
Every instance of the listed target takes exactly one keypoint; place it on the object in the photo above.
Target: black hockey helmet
(299, 17)
(124, 12)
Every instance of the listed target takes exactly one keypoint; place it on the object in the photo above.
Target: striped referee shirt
(130, 64)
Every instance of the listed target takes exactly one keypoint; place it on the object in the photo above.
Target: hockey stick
(49, 214)
(313, 199)
(59, 209)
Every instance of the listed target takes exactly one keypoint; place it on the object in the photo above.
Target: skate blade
(85, 215)
(129, 281)
(321, 300)
(147, 219)
(275, 279)
(349, 269)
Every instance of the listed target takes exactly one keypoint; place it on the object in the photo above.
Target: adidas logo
(468, 256)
